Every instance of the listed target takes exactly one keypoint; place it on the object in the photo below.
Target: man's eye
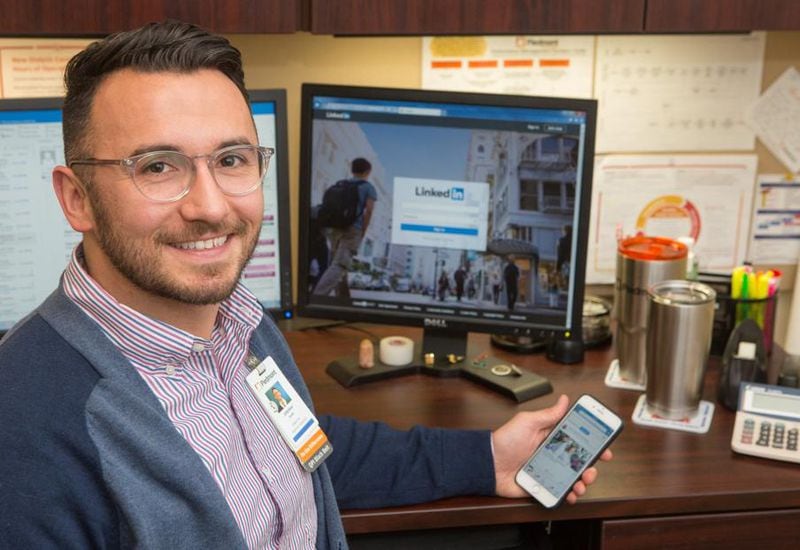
(231, 161)
(158, 167)
(155, 167)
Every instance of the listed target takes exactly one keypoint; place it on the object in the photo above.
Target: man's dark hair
(360, 166)
(156, 47)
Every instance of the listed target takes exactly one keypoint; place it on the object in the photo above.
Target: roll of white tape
(396, 351)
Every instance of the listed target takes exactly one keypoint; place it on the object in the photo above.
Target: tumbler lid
(642, 247)
(680, 292)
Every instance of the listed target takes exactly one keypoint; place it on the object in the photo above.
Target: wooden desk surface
(654, 471)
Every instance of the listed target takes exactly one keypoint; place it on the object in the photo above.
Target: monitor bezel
(305, 307)
(32, 104)
(281, 160)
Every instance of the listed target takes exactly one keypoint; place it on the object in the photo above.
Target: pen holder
(730, 312)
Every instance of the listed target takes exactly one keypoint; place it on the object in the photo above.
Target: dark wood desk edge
(486, 511)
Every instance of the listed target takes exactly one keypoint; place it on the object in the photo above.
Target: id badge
(289, 414)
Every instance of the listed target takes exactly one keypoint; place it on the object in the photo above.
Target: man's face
(192, 250)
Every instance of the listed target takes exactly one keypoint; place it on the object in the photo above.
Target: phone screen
(567, 452)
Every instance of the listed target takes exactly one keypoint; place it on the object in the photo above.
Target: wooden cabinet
(97, 17)
(428, 17)
(769, 529)
(721, 15)
(401, 17)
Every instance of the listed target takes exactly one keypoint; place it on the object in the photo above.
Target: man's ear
(73, 199)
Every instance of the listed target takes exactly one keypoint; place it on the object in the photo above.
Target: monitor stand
(450, 360)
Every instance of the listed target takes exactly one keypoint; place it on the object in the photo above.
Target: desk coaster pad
(614, 380)
(699, 423)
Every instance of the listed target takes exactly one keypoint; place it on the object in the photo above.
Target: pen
(774, 281)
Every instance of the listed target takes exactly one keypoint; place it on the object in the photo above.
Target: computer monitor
(479, 221)
(38, 241)
(269, 273)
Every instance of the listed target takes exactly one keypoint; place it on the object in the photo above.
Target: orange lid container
(641, 247)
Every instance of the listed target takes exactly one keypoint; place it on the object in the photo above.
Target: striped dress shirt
(201, 385)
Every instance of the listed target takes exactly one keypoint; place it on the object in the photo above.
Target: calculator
(767, 422)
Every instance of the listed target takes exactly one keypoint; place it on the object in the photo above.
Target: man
(460, 277)
(443, 284)
(563, 251)
(278, 399)
(346, 241)
(128, 418)
(496, 284)
(511, 280)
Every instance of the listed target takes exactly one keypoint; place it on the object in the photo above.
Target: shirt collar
(142, 339)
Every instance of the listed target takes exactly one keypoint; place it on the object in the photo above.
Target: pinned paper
(775, 117)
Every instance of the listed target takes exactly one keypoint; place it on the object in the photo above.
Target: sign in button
(438, 229)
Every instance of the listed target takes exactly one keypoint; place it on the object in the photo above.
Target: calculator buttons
(764, 433)
(791, 440)
(747, 431)
(777, 440)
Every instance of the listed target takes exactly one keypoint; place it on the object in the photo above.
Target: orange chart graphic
(670, 208)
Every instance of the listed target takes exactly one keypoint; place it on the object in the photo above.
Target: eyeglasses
(166, 176)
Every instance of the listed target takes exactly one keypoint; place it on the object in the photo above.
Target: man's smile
(202, 245)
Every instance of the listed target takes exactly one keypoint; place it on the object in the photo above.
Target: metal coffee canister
(641, 262)
(678, 341)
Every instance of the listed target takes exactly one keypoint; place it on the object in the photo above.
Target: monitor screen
(269, 273)
(470, 211)
(38, 241)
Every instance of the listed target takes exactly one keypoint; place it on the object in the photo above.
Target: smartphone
(576, 442)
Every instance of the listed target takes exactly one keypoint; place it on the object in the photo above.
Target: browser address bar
(423, 111)
(426, 111)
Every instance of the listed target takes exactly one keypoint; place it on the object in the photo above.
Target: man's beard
(143, 266)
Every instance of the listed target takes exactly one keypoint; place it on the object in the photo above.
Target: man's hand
(515, 441)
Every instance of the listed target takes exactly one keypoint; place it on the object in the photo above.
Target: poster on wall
(35, 67)
(677, 93)
(775, 234)
(553, 66)
(775, 117)
(705, 197)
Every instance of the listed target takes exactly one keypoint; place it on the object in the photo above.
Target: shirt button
(198, 347)
(170, 369)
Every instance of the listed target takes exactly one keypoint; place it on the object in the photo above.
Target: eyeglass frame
(130, 162)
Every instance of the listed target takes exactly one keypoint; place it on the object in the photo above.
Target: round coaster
(501, 370)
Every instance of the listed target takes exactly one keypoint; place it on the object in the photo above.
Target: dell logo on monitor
(433, 322)
(457, 193)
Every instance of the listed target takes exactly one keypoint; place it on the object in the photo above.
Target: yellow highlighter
(763, 281)
(737, 278)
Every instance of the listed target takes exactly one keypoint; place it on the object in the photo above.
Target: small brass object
(501, 370)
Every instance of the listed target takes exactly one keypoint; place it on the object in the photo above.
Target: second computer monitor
(38, 241)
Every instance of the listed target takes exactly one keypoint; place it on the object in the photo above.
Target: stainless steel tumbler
(678, 341)
(641, 262)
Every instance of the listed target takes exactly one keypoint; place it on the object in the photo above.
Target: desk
(660, 481)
